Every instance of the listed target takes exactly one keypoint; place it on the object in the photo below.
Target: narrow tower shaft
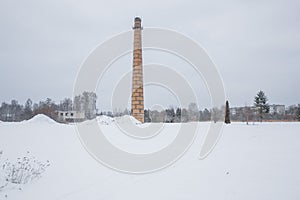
(137, 95)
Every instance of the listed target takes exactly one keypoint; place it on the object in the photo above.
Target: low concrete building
(279, 109)
(71, 116)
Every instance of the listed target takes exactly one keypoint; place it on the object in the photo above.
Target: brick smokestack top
(137, 23)
(137, 95)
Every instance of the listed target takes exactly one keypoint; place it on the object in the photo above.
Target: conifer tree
(261, 103)
(227, 113)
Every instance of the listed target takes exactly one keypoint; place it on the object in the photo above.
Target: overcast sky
(255, 44)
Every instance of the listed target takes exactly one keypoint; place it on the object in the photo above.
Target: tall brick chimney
(137, 95)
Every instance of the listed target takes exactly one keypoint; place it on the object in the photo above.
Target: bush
(24, 170)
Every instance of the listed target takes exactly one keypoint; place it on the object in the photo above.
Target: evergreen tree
(261, 103)
(227, 113)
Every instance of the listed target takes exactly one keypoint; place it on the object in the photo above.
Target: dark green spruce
(227, 113)
(261, 104)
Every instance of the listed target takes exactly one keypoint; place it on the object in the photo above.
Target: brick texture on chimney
(137, 95)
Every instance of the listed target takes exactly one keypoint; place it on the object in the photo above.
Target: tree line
(86, 103)
(15, 112)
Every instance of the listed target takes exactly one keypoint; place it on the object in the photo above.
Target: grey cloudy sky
(255, 44)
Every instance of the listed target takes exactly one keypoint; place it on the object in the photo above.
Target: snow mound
(127, 119)
(105, 120)
(41, 118)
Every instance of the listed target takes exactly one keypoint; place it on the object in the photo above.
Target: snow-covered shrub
(22, 171)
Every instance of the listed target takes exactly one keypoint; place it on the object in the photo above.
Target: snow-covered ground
(258, 161)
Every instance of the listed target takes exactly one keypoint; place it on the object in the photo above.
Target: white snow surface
(127, 119)
(40, 118)
(258, 161)
(105, 120)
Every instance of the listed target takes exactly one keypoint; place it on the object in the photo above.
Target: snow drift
(41, 118)
(126, 119)
(249, 162)
(105, 120)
